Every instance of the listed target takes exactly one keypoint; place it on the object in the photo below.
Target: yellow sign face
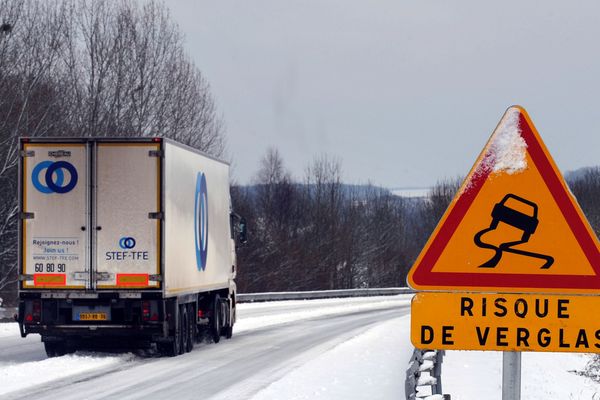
(513, 226)
(505, 322)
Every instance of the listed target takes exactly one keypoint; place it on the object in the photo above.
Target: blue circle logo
(201, 221)
(127, 243)
(54, 177)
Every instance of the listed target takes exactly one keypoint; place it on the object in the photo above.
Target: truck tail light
(200, 313)
(37, 310)
(149, 311)
(145, 310)
(34, 314)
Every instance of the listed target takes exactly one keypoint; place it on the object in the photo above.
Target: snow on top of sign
(508, 145)
(508, 148)
(506, 152)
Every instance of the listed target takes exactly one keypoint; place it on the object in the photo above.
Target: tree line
(93, 68)
(319, 234)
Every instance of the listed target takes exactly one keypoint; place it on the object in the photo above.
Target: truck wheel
(228, 332)
(173, 348)
(215, 322)
(55, 349)
(191, 328)
(228, 329)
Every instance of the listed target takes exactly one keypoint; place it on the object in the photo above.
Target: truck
(125, 242)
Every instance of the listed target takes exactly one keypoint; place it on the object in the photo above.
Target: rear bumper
(127, 318)
(154, 332)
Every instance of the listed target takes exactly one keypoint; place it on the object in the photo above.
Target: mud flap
(20, 317)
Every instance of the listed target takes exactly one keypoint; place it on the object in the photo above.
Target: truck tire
(172, 348)
(215, 320)
(227, 331)
(191, 326)
(55, 349)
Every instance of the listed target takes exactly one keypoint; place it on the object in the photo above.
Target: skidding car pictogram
(524, 222)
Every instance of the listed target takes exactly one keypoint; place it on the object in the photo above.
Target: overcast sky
(404, 93)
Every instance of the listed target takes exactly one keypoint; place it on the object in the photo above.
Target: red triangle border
(423, 275)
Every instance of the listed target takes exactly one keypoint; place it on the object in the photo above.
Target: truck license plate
(93, 316)
(91, 313)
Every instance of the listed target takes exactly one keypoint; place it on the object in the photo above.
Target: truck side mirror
(243, 235)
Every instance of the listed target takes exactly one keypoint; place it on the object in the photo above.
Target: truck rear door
(54, 220)
(127, 219)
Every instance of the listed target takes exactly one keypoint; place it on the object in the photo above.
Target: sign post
(511, 375)
(513, 262)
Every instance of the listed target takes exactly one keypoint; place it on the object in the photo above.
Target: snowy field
(474, 375)
(363, 367)
(315, 349)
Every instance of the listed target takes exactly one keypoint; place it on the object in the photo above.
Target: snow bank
(9, 329)
(313, 309)
(473, 375)
(369, 366)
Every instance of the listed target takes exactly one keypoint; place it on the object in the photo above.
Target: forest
(319, 233)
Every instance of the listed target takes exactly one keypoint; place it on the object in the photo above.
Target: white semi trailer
(126, 243)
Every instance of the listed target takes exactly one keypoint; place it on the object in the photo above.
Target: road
(270, 341)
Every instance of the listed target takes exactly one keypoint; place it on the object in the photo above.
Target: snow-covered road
(287, 350)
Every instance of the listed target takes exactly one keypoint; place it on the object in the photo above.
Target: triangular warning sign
(513, 226)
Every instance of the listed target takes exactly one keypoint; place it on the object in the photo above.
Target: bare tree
(586, 188)
(324, 191)
(30, 44)
(131, 77)
(93, 68)
(320, 234)
(274, 223)
(271, 169)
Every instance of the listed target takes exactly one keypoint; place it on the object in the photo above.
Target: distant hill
(579, 173)
(361, 191)
(411, 192)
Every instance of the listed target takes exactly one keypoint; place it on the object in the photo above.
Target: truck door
(127, 221)
(54, 220)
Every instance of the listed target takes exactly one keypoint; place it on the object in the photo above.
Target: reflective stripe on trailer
(132, 279)
(49, 279)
